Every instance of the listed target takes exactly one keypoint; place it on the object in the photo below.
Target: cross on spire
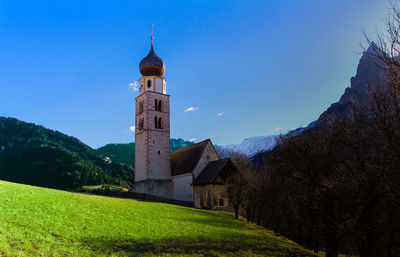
(152, 33)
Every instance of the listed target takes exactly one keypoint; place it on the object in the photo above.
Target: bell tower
(152, 133)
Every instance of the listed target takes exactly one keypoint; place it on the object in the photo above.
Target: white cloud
(278, 129)
(132, 128)
(134, 86)
(220, 114)
(191, 109)
(192, 139)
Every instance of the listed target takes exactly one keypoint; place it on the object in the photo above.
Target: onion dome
(152, 64)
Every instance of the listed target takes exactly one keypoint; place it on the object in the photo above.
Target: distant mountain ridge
(368, 76)
(252, 145)
(32, 154)
(125, 153)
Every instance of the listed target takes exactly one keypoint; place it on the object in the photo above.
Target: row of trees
(336, 186)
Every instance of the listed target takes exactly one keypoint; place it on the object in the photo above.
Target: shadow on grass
(220, 223)
(188, 245)
(233, 243)
(219, 219)
(222, 215)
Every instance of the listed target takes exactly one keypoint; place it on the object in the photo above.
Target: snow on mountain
(253, 145)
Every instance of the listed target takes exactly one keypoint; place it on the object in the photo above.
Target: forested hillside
(35, 155)
(119, 153)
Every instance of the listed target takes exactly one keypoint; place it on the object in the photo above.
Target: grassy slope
(44, 222)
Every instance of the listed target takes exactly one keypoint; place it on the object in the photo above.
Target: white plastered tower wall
(152, 138)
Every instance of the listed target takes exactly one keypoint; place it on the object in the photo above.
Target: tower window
(158, 152)
(149, 83)
(141, 124)
(157, 105)
(159, 123)
(141, 107)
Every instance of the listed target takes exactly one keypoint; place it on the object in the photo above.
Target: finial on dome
(152, 64)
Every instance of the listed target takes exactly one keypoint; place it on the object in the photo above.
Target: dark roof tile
(212, 170)
(185, 159)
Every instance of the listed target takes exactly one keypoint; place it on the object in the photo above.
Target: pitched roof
(185, 160)
(211, 171)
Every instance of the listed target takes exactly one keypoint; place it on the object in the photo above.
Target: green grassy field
(43, 222)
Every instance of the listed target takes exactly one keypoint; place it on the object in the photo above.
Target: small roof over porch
(214, 168)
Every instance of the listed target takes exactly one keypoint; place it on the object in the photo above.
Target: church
(194, 174)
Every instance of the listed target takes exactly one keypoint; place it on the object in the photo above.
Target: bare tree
(236, 181)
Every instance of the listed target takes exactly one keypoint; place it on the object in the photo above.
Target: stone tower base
(162, 188)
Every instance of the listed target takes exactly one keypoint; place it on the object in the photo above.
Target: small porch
(209, 188)
(210, 197)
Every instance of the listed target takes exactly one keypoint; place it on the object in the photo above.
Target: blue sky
(248, 68)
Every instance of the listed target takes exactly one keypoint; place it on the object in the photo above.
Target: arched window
(159, 123)
(159, 105)
(149, 83)
(141, 124)
(141, 107)
(155, 122)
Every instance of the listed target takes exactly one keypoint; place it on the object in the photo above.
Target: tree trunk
(331, 245)
(365, 249)
(361, 250)
(236, 207)
(248, 213)
(316, 247)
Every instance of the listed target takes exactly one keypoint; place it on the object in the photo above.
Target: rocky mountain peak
(369, 75)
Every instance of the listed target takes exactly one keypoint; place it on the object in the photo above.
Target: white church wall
(140, 158)
(210, 195)
(164, 87)
(199, 190)
(159, 85)
(209, 155)
(182, 187)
